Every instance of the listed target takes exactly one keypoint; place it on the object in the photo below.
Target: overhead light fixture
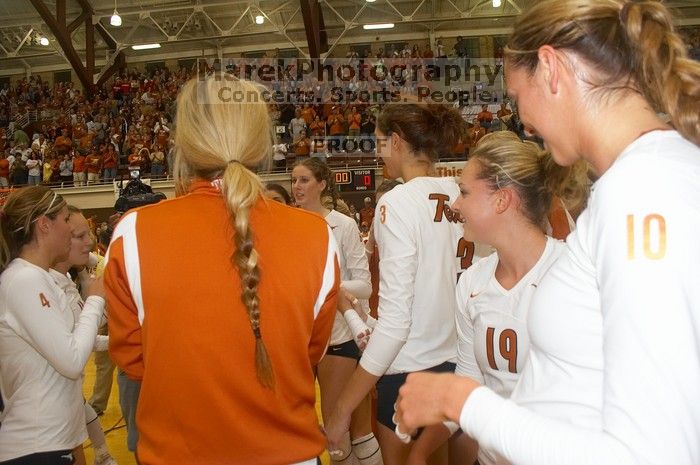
(370, 1)
(115, 20)
(259, 19)
(145, 46)
(496, 3)
(43, 41)
(369, 27)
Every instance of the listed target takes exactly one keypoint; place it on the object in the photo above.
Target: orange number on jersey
(382, 213)
(465, 251)
(649, 252)
(44, 301)
(507, 346)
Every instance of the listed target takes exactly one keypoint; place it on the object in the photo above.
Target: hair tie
(231, 162)
(256, 332)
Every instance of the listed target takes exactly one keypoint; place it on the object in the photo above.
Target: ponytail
(665, 74)
(241, 188)
(522, 166)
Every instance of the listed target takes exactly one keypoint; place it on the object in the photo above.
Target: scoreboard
(354, 180)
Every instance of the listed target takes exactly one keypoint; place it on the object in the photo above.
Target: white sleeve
(397, 271)
(466, 360)
(66, 349)
(356, 263)
(650, 301)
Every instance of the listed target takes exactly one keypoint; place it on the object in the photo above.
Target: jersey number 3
(507, 346)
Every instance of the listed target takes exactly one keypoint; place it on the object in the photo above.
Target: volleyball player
(312, 181)
(42, 349)
(614, 367)
(421, 252)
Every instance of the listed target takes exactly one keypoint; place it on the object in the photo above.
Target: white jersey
(493, 341)
(354, 268)
(614, 370)
(417, 235)
(42, 356)
(76, 303)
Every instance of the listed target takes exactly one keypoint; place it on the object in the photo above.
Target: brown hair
(507, 161)
(629, 44)
(226, 140)
(21, 210)
(430, 130)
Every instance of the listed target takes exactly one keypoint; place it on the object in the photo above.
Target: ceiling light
(115, 20)
(145, 46)
(369, 27)
(370, 1)
(43, 41)
(496, 3)
(259, 19)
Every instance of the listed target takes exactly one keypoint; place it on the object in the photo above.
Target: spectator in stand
(503, 111)
(93, 163)
(279, 154)
(297, 126)
(78, 169)
(308, 113)
(33, 169)
(302, 147)
(109, 163)
(65, 168)
(40, 144)
(137, 158)
(157, 158)
(485, 117)
(20, 137)
(63, 144)
(47, 168)
(354, 122)
(476, 132)
(318, 127)
(336, 124)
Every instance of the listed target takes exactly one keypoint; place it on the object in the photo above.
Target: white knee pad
(340, 456)
(367, 451)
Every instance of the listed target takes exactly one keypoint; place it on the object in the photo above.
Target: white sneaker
(104, 459)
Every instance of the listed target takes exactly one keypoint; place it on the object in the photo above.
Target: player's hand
(336, 427)
(95, 286)
(430, 398)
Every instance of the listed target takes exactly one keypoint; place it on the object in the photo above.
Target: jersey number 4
(507, 346)
(44, 301)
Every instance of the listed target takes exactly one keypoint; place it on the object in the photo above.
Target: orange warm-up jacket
(177, 323)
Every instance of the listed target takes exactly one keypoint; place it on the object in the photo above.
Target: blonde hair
(507, 161)
(226, 140)
(630, 44)
(21, 210)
